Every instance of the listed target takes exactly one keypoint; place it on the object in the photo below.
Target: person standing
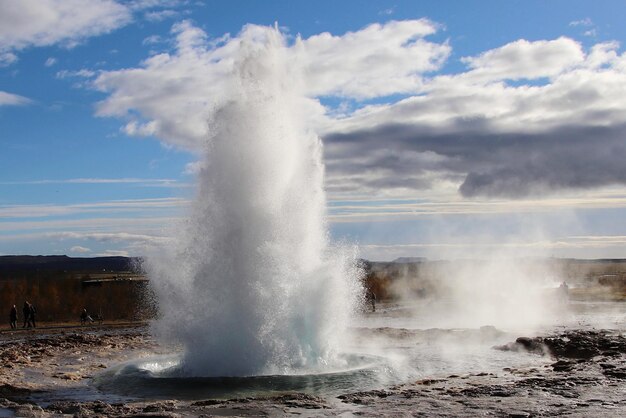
(13, 317)
(26, 312)
(370, 297)
(31, 320)
(85, 317)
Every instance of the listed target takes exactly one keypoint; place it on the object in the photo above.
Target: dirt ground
(46, 373)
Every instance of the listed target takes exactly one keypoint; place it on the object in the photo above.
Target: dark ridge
(42, 263)
(592, 261)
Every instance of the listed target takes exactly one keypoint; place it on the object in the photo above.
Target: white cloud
(524, 118)
(125, 242)
(160, 15)
(112, 253)
(83, 73)
(28, 23)
(582, 22)
(7, 58)
(164, 182)
(173, 93)
(152, 39)
(114, 224)
(50, 62)
(588, 93)
(587, 23)
(151, 4)
(112, 237)
(79, 249)
(109, 207)
(39, 23)
(591, 32)
(193, 167)
(523, 59)
(429, 204)
(176, 93)
(388, 59)
(492, 137)
(8, 99)
(574, 246)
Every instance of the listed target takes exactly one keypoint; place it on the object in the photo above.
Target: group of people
(29, 312)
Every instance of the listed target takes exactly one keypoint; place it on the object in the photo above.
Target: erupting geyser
(252, 285)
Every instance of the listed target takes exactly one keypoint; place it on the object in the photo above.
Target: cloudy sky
(450, 128)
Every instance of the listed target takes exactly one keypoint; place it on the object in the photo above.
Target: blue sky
(450, 128)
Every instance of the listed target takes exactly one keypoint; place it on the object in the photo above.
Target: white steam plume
(252, 286)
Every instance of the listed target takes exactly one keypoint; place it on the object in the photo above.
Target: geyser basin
(163, 377)
(380, 357)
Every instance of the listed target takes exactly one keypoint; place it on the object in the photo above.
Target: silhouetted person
(31, 319)
(371, 298)
(13, 317)
(26, 312)
(564, 289)
(85, 317)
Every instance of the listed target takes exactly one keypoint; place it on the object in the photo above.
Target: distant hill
(30, 263)
(404, 260)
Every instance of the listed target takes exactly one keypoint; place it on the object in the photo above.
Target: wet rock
(489, 390)
(5, 403)
(10, 391)
(579, 348)
(160, 406)
(364, 397)
(562, 366)
(566, 387)
(83, 409)
(581, 345)
(532, 345)
(300, 400)
(75, 408)
(208, 402)
(28, 411)
(607, 365)
(586, 344)
(429, 381)
(618, 373)
(68, 376)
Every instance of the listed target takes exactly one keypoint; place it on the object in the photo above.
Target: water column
(252, 285)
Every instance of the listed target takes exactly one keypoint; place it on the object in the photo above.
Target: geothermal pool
(386, 359)
(389, 347)
(384, 351)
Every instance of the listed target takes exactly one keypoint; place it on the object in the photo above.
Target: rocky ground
(586, 377)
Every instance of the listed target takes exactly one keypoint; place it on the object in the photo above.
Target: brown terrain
(48, 371)
(114, 288)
